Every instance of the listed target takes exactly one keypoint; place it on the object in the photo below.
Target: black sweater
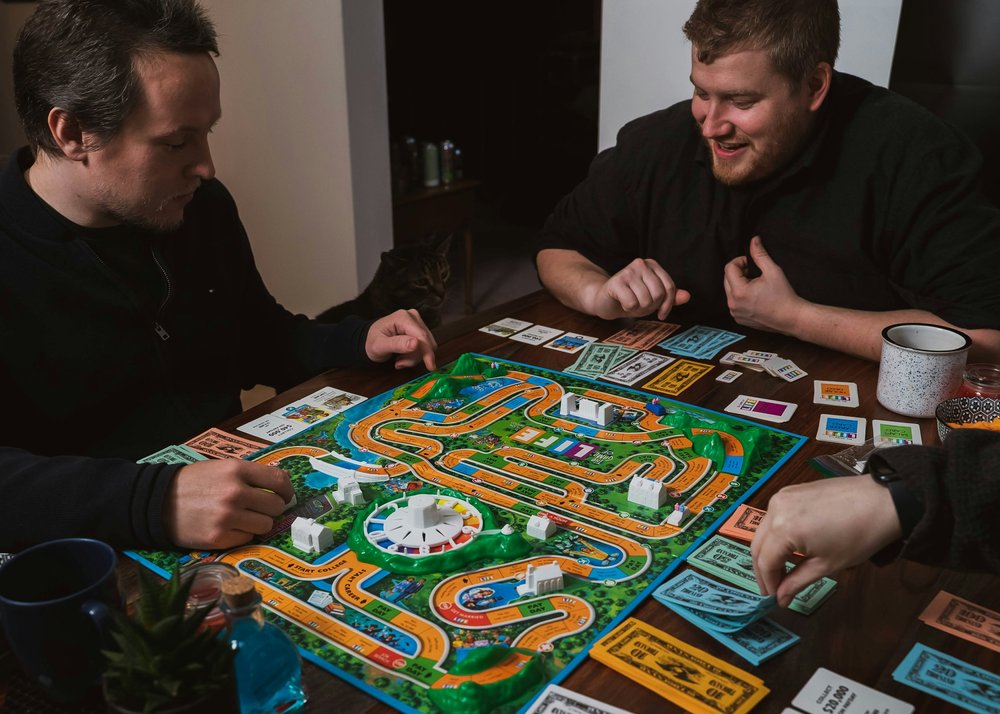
(99, 368)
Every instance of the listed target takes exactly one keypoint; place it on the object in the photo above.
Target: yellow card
(678, 377)
(685, 675)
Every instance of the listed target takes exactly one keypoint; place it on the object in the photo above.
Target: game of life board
(459, 542)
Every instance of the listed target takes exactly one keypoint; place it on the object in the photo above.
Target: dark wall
(947, 58)
(513, 84)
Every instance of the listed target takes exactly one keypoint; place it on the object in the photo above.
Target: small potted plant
(164, 660)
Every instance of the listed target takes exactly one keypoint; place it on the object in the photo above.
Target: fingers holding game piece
(223, 503)
(404, 336)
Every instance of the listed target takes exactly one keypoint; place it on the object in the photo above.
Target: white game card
(841, 429)
(729, 376)
(897, 433)
(559, 700)
(505, 327)
(536, 335)
(332, 399)
(830, 693)
(273, 428)
(835, 394)
(760, 408)
(571, 342)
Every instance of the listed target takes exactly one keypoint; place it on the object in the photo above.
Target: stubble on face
(764, 157)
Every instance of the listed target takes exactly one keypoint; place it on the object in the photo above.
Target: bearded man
(783, 196)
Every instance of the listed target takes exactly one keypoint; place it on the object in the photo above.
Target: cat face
(414, 275)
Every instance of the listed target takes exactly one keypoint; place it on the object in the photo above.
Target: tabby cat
(412, 275)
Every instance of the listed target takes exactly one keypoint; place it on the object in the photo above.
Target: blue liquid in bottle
(268, 669)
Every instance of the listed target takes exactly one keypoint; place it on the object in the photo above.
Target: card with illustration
(536, 335)
(570, 342)
(505, 327)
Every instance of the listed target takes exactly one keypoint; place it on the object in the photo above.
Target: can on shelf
(447, 162)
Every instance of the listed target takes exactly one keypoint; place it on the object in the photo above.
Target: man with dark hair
(131, 311)
(868, 205)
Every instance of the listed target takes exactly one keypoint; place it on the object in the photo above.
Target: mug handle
(100, 615)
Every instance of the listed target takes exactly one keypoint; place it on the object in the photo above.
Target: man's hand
(638, 289)
(834, 523)
(764, 303)
(404, 336)
(221, 504)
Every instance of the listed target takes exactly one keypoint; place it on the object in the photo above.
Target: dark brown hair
(796, 34)
(81, 56)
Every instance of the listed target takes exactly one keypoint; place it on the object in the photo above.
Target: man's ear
(66, 132)
(818, 85)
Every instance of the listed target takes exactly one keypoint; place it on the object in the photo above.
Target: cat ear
(393, 259)
(443, 242)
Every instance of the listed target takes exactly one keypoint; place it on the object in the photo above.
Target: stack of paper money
(730, 615)
(731, 561)
(685, 675)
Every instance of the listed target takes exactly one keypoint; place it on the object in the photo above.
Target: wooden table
(862, 632)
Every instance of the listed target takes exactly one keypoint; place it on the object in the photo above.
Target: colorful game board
(431, 595)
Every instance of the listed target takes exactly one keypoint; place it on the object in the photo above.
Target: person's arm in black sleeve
(114, 500)
(958, 491)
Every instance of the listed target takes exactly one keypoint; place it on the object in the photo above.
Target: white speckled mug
(921, 366)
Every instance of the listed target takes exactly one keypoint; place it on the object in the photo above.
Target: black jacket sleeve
(959, 489)
(114, 500)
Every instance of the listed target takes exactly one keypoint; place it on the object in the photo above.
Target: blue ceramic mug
(55, 606)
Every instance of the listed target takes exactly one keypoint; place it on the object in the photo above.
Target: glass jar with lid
(981, 380)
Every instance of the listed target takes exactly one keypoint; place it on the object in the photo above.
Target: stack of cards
(700, 342)
(700, 601)
(951, 679)
(829, 693)
(768, 362)
(597, 358)
(732, 562)
(685, 675)
(643, 334)
(301, 414)
(964, 619)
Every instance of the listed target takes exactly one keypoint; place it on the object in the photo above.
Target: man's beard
(141, 215)
(759, 163)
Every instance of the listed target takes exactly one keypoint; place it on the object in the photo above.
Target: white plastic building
(646, 492)
(679, 515)
(349, 491)
(576, 406)
(540, 527)
(310, 536)
(541, 580)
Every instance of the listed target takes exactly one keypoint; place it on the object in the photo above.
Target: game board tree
(711, 447)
